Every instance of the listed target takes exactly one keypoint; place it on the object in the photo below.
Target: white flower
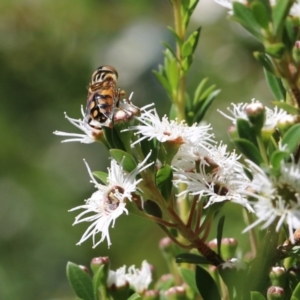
(117, 278)
(295, 9)
(151, 126)
(108, 202)
(234, 263)
(140, 279)
(276, 198)
(220, 177)
(188, 157)
(229, 3)
(273, 116)
(91, 134)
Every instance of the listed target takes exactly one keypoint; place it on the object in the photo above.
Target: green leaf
(276, 50)
(205, 105)
(257, 296)
(124, 159)
(220, 233)
(249, 150)
(99, 280)
(280, 12)
(246, 131)
(292, 138)
(153, 209)
(199, 90)
(134, 297)
(189, 277)
(186, 63)
(277, 157)
(275, 85)
(290, 35)
(207, 92)
(261, 14)
(178, 39)
(80, 281)
(173, 112)
(150, 146)
(189, 11)
(171, 70)
(296, 293)
(101, 175)
(169, 47)
(245, 17)
(206, 285)
(163, 180)
(163, 81)
(189, 46)
(264, 60)
(191, 259)
(187, 49)
(112, 138)
(287, 107)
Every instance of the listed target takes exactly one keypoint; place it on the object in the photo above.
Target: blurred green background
(48, 51)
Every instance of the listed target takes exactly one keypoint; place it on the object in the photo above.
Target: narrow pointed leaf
(163, 81)
(205, 105)
(80, 281)
(246, 131)
(245, 17)
(261, 14)
(287, 107)
(152, 147)
(189, 277)
(220, 233)
(191, 258)
(257, 296)
(296, 293)
(112, 138)
(206, 285)
(277, 157)
(171, 71)
(178, 39)
(207, 92)
(123, 158)
(134, 297)
(169, 47)
(292, 138)
(263, 59)
(163, 180)
(275, 85)
(249, 150)
(190, 44)
(101, 175)
(152, 209)
(280, 12)
(275, 50)
(99, 279)
(199, 90)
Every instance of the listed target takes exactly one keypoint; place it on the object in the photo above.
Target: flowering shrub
(172, 171)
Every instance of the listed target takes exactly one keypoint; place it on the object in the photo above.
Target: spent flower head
(109, 201)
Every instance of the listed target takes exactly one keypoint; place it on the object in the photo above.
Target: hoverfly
(103, 97)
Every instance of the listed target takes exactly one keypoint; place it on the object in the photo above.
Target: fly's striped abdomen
(103, 97)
